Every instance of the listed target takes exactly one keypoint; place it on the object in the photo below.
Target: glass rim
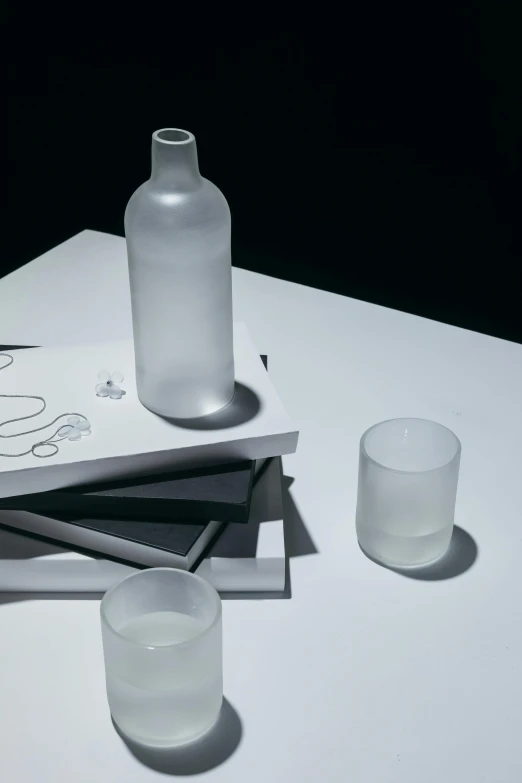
(212, 593)
(363, 451)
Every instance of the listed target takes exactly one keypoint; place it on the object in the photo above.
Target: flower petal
(117, 377)
(102, 390)
(64, 431)
(75, 434)
(83, 424)
(114, 392)
(104, 375)
(86, 432)
(73, 420)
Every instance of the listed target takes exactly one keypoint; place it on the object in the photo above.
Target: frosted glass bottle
(177, 226)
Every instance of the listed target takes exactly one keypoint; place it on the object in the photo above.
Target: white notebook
(127, 439)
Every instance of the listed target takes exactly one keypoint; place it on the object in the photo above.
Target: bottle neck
(175, 159)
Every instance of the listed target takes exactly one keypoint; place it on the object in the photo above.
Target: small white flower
(75, 429)
(109, 386)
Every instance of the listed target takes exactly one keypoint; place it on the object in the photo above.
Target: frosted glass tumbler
(161, 631)
(408, 475)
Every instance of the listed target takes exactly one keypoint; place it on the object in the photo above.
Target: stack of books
(202, 495)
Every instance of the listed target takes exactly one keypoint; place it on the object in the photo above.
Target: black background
(373, 152)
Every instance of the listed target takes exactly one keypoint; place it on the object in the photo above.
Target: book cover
(127, 440)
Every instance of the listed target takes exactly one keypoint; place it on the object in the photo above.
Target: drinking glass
(408, 475)
(161, 631)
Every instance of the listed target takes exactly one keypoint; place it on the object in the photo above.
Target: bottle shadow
(195, 757)
(244, 406)
(459, 558)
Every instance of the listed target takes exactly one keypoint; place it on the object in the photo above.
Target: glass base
(404, 551)
(151, 742)
(404, 566)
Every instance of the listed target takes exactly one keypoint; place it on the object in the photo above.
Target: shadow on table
(244, 407)
(460, 557)
(298, 542)
(196, 757)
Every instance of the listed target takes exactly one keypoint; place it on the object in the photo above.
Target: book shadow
(244, 406)
(196, 757)
(459, 558)
(298, 543)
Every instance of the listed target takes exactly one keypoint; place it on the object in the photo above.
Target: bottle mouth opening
(173, 136)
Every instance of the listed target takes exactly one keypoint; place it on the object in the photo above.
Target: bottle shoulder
(206, 202)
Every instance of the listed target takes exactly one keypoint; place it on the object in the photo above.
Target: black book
(150, 543)
(147, 542)
(221, 493)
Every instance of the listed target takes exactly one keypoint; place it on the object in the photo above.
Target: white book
(127, 439)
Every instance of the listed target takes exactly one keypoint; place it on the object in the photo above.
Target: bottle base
(185, 415)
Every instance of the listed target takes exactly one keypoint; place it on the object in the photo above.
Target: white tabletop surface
(364, 674)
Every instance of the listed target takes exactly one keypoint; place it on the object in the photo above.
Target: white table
(364, 675)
